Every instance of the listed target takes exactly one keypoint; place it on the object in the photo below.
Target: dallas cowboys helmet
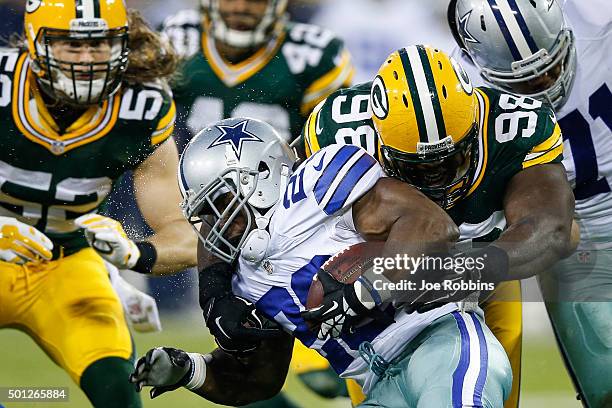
(247, 159)
(520, 46)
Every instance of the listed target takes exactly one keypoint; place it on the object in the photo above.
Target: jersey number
(364, 135)
(508, 124)
(74, 196)
(207, 110)
(295, 190)
(576, 129)
(299, 56)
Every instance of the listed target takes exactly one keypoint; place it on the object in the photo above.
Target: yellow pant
(504, 316)
(68, 307)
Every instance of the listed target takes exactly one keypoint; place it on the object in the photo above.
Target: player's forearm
(224, 372)
(175, 244)
(535, 243)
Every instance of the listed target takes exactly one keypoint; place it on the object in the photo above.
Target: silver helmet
(520, 46)
(272, 20)
(245, 159)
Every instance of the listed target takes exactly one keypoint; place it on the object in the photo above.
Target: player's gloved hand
(166, 369)
(140, 308)
(108, 238)
(341, 308)
(237, 326)
(21, 243)
(486, 265)
(233, 321)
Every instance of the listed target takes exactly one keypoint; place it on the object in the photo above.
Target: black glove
(237, 326)
(163, 368)
(487, 265)
(340, 310)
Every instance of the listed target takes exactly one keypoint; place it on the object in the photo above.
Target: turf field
(22, 363)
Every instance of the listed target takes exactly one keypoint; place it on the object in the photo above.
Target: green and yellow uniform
(514, 133)
(49, 177)
(279, 84)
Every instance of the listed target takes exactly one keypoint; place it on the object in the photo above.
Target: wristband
(147, 259)
(198, 371)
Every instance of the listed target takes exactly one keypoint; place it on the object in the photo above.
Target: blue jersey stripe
(505, 31)
(348, 183)
(464, 362)
(523, 26)
(342, 156)
(484, 362)
(302, 278)
(338, 358)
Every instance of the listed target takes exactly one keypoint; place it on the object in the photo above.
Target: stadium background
(375, 28)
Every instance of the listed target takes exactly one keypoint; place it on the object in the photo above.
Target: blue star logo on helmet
(463, 26)
(235, 136)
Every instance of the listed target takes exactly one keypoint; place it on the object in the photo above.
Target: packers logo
(32, 5)
(463, 77)
(379, 101)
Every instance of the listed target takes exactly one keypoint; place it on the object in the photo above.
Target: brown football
(346, 266)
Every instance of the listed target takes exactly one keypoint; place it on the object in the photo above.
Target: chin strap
(256, 243)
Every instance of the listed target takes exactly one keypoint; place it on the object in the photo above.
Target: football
(345, 266)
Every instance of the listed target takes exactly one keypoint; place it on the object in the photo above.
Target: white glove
(140, 308)
(108, 238)
(21, 243)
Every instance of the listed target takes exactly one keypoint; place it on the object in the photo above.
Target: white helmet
(520, 46)
(246, 158)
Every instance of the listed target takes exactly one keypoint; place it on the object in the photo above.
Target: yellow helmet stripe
(428, 111)
(88, 9)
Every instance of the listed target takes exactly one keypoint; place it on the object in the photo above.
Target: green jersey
(515, 133)
(49, 177)
(279, 84)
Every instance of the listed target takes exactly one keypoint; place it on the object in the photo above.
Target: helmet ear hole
(405, 100)
(444, 93)
(395, 75)
(264, 170)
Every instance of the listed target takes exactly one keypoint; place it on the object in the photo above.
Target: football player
(243, 58)
(281, 228)
(477, 163)
(75, 117)
(562, 56)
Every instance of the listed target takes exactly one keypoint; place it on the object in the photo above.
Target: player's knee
(100, 311)
(105, 382)
(498, 384)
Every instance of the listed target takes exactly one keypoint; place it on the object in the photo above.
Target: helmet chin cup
(255, 246)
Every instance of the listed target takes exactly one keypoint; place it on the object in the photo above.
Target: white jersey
(586, 119)
(314, 222)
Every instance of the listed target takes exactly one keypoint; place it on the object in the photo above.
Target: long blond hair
(150, 56)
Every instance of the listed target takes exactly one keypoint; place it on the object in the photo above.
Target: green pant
(578, 295)
(455, 362)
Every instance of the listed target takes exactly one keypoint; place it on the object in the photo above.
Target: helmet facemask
(219, 205)
(270, 23)
(81, 82)
(545, 76)
(443, 175)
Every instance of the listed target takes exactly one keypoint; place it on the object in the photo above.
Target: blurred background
(371, 29)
